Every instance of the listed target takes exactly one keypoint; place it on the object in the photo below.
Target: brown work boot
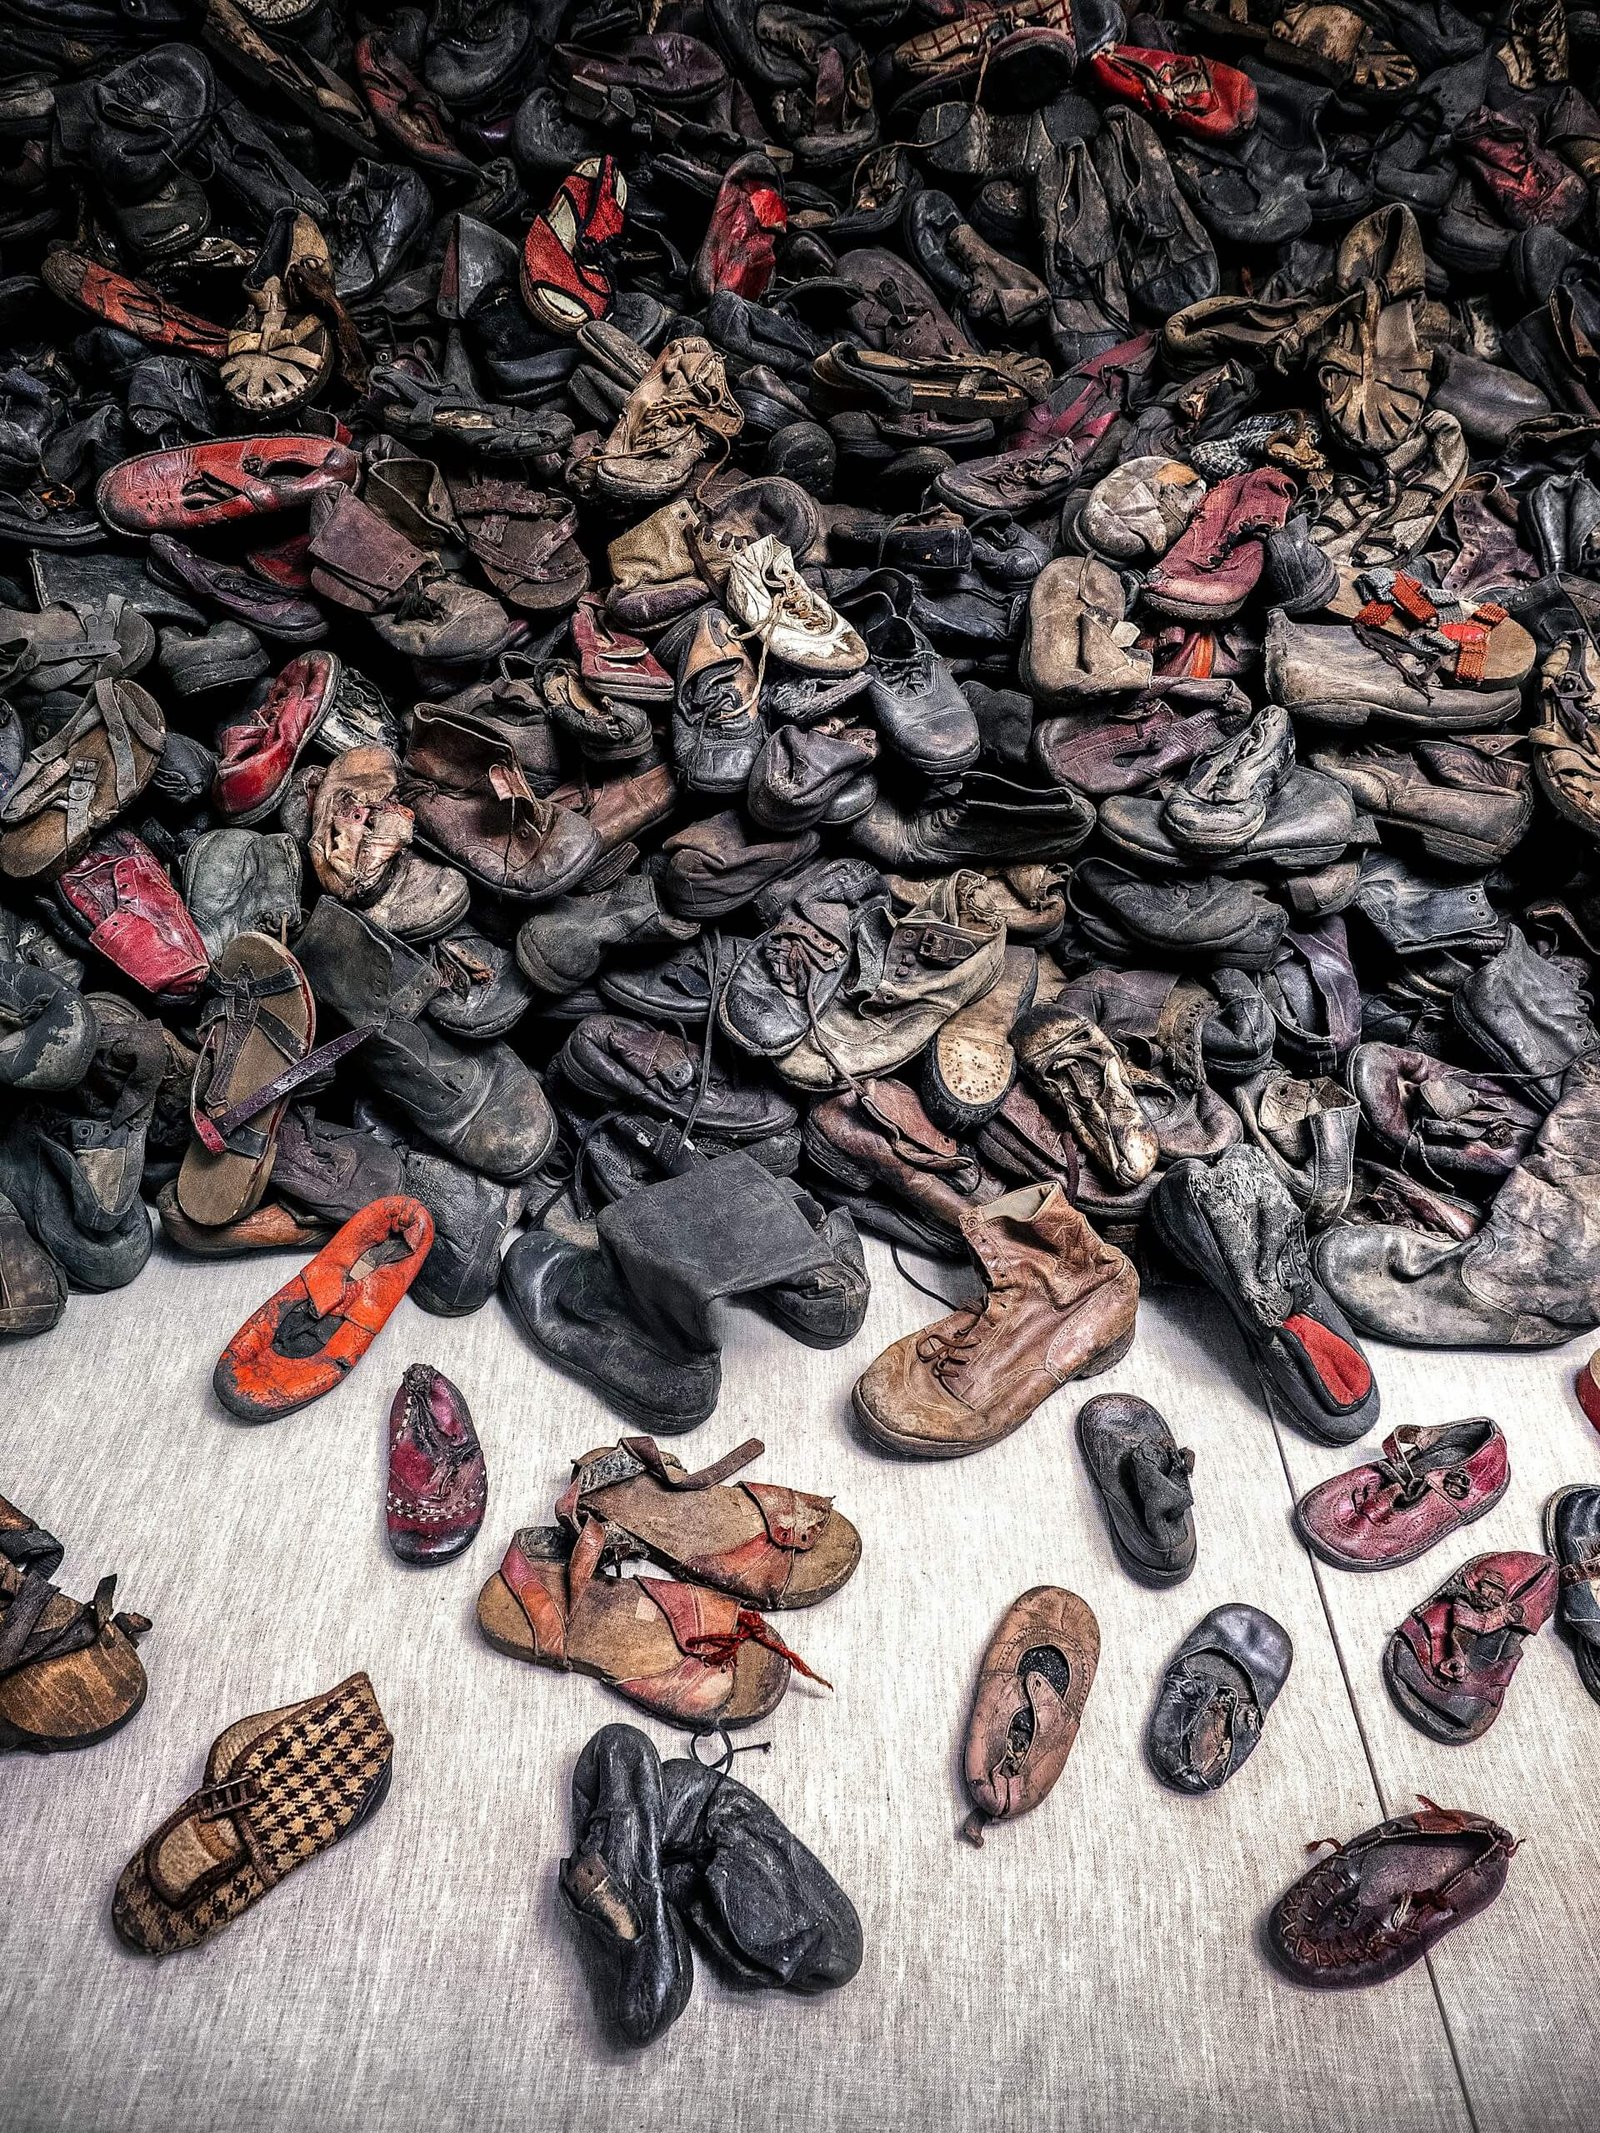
(877, 1153)
(673, 417)
(1061, 1304)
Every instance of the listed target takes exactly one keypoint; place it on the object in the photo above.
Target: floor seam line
(1377, 1781)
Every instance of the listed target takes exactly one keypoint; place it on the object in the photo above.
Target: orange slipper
(308, 1337)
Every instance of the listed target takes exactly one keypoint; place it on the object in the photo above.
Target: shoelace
(721, 1648)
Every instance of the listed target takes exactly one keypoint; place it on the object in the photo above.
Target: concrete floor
(1094, 1966)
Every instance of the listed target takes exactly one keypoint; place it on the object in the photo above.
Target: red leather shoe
(1527, 185)
(1214, 565)
(120, 898)
(1198, 96)
(311, 1335)
(739, 248)
(198, 485)
(256, 757)
(565, 282)
(1428, 1484)
(285, 565)
(406, 109)
(132, 306)
(613, 663)
(438, 1487)
(1450, 1662)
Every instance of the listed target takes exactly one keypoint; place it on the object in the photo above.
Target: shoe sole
(1412, 1707)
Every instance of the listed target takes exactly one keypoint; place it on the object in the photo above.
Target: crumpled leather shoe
(308, 1337)
(1235, 1224)
(1214, 1697)
(1449, 1664)
(1378, 1902)
(1426, 1486)
(1572, 1538)
(1032, 1688)
(1059, 1303)
(1142, 1480)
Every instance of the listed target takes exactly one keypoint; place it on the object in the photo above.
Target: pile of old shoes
(699, 633)
(667, 1856)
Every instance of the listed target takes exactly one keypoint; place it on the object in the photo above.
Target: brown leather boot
(1061, 1305)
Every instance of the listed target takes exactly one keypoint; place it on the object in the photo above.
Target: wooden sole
(76, 1700)
(760, 1678)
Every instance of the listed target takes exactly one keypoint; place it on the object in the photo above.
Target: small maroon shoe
(1199, 96)
(739, 250)
(613, 663)
(1214, 565)
(198, 485)
(120, 898)
(1449, 1664)
(438, 1485)
(240, 593)
(256, 757)
(1427, 1485)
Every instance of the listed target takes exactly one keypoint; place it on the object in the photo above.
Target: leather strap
(215, 1133)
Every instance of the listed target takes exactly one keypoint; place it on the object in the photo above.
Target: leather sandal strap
(216, 1132)
(672, 1476)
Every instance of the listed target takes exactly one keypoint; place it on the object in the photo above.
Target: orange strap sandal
(311, 1335)
(694, 1657)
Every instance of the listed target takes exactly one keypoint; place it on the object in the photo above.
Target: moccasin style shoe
(1449, 1664)
(1135, 513)
(1142, 1479)
(768, 1546)
(1214, 1697)
(1060, 1304)
(1032, 1686)
(613, 1884)
(1235, 1224)
(279, 1788)
(69, 1673)
(310, 1336)
(1377, 1903)
(683, 1652)
(438, 1487)
(1079, 1072)
(1572, 1536)
(1427, 1485)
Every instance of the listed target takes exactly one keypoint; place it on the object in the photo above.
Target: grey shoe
(483, 1106)
(226, 657)
(242, 881)
(41, 1177)
(47, 1030)
(1530, 1014)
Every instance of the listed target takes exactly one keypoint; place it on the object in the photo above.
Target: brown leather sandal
(257, 1052)
(772, 1547)
(80, 778)
(1033, 1685)
(69, 1674)
(687, 1654)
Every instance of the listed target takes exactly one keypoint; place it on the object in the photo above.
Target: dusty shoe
(1032, 1687)
(1060, 1304)
(875, 1151)
(776, 608)
(1236, 1225)
(1449, 1664)
(1214, 1697)
(1076, 1067)
(1427, 1485)
(1223, 799)
(1079, 644)
(33, 1289)
(1377, 1904)
(675, 415)
(1135, 513)
(970, 1064)
(1324, 672)
(1142, 1480)
(1468, 802)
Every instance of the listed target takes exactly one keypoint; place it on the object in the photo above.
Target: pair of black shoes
(668, 1853)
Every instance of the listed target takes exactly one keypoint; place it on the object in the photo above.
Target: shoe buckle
(215, 1801)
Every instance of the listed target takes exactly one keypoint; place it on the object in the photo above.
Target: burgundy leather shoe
(1428, 1484)
(438, 1487)
(120, 898)
(197, 485)
(1450, 1662)
(255, 758)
